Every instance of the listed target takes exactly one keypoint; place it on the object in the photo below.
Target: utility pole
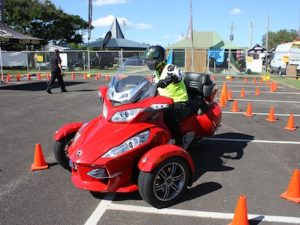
(267, 33)
(251, 34)
(89, 31)
(231, 28)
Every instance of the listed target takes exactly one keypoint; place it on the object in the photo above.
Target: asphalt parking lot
(247, 156)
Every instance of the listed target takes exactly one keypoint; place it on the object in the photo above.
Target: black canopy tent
(10, 36)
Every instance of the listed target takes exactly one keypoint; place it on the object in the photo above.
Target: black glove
(162, 84)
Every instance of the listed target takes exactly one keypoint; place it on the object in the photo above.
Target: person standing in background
(56, 73)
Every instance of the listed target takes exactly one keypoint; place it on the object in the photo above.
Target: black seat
(199, 86)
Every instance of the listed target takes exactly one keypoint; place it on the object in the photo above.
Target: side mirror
(106, 39)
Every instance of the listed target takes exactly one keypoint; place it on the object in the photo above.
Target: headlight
(127, 115)
(78, 134)
(128, 145)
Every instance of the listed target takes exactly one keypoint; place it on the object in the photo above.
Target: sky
(165, 22)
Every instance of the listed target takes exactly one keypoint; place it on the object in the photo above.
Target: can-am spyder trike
(127, 148)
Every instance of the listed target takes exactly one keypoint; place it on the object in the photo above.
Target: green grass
(293, 82)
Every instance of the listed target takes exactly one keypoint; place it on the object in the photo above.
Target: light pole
(267, 42)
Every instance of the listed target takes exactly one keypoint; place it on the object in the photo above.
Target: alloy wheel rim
(169, 181)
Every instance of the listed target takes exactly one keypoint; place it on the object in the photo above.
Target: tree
(43, 20)
(276, 38)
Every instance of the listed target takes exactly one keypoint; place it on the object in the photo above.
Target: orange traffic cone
(271, 117)
(290, 124)
(18, 77)
(257, 91)
(293, 191)
(249, 110)
(272, 87)
(28, 76)
(229, 95)
(39, 160)
(240, 215)
(222, 102)
(242, 95)
(73, 76)
(85, 76)
(235, 107)
(254, 80)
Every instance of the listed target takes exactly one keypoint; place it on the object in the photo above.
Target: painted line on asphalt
(263, 114)
(201, 214)
(250, 140)
(268, 92)
(267, 100)
(100, 209)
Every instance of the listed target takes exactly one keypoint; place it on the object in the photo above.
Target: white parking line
(268, 92)
(201, 214)
(100, 210)
(250, 140)
(263, 114)
(266, 100)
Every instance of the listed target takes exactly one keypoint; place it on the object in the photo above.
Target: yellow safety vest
(176, 91)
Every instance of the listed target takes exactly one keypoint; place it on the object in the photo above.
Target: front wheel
(61, 150)
(166, 183)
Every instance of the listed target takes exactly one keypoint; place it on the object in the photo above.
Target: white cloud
(235, 11)
(142, 26)
(103, 21)
(108, 20)
(109, 2)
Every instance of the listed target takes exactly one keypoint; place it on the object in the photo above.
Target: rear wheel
(166, 183)
(61, 150)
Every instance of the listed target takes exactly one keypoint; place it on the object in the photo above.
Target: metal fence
(84, 60)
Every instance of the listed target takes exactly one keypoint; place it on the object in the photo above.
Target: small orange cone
(28, 76)
(39, 160)
(254, 80)
(235, 107)
(229, 95)
(271, 117)
(293, 191)
(242, 95)
(240, 215)
(73, 76)
(85, 76)
(249, 110)
(257, 91)
(222, 102)
(290, 125)
(18, 77)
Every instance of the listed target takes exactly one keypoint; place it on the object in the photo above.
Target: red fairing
(160, 153)
(67, 129)
(205, 124)
(100, 136)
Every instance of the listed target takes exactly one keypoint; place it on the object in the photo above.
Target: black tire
(61, 150)
(279, 71)
(158, 187)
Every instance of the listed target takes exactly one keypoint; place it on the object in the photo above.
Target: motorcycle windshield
(130, 84)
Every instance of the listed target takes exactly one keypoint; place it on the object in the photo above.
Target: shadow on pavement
(35, 86)
(210, 155)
